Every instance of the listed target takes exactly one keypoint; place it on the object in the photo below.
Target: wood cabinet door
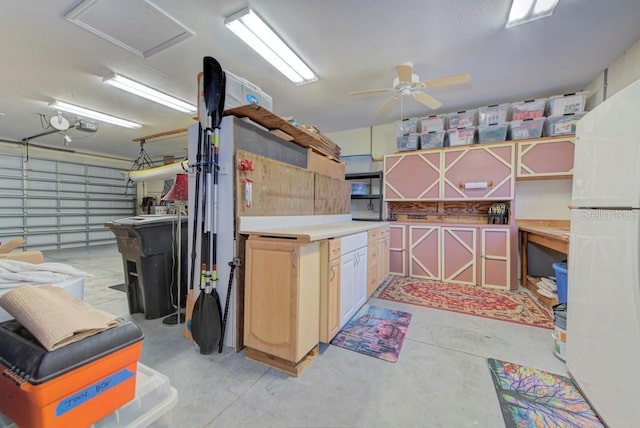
(552, 158)
(495, 258)
(271, 294)
(333, 300)
(424, 251)
(458, 255)
(397, 253)
(383, 257)
(412, 176)
(479, 172)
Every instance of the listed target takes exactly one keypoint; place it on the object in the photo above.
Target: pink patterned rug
(513, 306)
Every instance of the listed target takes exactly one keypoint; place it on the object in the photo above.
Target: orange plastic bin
(73, 386)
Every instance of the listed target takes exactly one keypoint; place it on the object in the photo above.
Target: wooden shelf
(531, 284)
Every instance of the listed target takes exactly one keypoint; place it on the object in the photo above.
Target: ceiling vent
(135, 25)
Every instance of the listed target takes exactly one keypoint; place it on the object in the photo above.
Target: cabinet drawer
(335, 249)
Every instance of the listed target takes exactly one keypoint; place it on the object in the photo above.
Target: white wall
(623, 71)
(543, 199)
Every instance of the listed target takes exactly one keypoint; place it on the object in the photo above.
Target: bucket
(560, 331)
(561, 280)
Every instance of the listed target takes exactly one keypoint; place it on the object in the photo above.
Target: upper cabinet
(412, 176)
(545, 158)
(478, 172)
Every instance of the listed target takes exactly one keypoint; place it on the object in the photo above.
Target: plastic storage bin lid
(155, 397)
(18, 349)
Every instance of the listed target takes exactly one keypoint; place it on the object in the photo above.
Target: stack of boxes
(534, 118)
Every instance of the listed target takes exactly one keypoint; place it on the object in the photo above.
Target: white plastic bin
(493, 114)
(461, 136)
(528, 109)
(559, 105)
(561, 125)
(525, 129)
(407, 126)
(429, 140)
(434, 123)
(492, 133)
(408, 142)
(462, 119)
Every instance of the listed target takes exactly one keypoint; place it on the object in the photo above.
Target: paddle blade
(220, 110)
(456, 79)
(427, 100)
(206, 325)
(387, 105)
(371, 91)
(213, 77)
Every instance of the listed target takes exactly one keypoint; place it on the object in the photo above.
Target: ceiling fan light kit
(408, 83)
(260, 37)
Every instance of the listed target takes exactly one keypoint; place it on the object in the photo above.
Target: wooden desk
(552, 234)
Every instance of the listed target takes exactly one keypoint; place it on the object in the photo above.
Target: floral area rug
(373, 331)
(535, 398)
(514, 306)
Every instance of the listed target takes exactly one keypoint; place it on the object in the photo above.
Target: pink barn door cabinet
(424, 251)
(459, 255)
(397, 253)
(412, 176)
(545, 158)
(479, 172)
(495, 258)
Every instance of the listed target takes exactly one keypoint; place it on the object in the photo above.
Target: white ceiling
(351, 45)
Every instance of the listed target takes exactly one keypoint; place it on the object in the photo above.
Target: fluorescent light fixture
(523, 11)
(254, 32)
(85, 112)
(144, 91)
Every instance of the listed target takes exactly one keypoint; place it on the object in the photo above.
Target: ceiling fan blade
(387, 105)
(404, 72)
(426, 99)
(455, 79)
(371, 91)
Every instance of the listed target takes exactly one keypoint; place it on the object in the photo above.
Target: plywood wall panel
(277, 188)
(332, 195)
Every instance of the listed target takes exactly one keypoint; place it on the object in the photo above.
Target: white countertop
(310, 229)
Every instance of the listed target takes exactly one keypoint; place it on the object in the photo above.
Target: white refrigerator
(603, 308)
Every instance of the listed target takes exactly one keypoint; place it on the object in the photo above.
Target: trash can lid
(146, 218)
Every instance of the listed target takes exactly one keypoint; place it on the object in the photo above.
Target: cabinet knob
(293, 258)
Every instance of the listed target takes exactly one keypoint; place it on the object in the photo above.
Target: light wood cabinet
(383, 256)
(330, 271)
(546, 158)
(282, 297)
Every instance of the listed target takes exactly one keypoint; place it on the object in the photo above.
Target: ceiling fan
(407, 83)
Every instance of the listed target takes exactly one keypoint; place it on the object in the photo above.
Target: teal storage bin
(561, 280)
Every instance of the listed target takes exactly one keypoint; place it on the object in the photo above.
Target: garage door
(54, 204)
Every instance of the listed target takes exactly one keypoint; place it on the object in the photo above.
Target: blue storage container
(561, 280)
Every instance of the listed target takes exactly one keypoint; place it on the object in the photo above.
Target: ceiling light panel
(85, 112)
(144, 91)
(253, 31)
(524, 11)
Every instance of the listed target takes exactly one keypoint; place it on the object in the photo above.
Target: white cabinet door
(347, 295)
(360, 279)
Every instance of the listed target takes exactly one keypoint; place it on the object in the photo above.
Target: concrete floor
(440, 380)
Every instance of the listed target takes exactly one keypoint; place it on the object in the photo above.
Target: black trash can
(149, 248)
